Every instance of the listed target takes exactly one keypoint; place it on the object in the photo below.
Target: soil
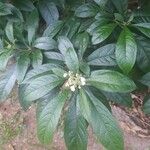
(18, 129)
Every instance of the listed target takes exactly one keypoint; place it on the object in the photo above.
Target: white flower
(83, 80)
(65, 75)
(79, 87)
(72, 88)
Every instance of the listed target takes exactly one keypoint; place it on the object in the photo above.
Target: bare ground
(18, 130)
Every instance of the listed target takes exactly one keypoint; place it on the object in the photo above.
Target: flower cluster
(74, 81)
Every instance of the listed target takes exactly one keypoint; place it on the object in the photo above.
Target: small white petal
(65, 75)
(72, 88)
(79, 87)
(66, 84)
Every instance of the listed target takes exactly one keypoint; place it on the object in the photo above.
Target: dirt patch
(19, 130)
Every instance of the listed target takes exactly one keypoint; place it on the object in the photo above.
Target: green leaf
(1, 45)
(10, 32)
(75, 131)
(7, 82)
(54, 56)
(45, 43)
(104, 56)
(111, 81)
(85, 68)
(49, 11)
(24, 104)
(48, 118)
(4, 9)
(40, 86)
(16, 15)
(23, 62)
(87, 10)
(146, 79)
(143, 53)
(100, 96)
(4, 58)
(102, 122)
(67, 49)
(37, 58)
(53, 29)
(121, 5)
(144, 28)
(146, 106)
(101, 3)
(25, 5)
(81, 43)
(119, 98)
(39, 71)
(32, 25)
(102, 33)
(126, 50)
(70, 28)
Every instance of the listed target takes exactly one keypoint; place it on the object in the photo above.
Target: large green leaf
(124, 99)
(102, 33)
(32, 25)
(146, 79)
(87, 10)
(37, 58)
(102, 122)
(75, 131)
(111, 81)
(144, 28)
(4, 9)
(53, 29)
(54, 56)
(24, 104)
(40, 86)
(48, 11)
(45, 43)
(23, 62)
(143, 54)
(48, 117)
(126, 50)
(7, 82)
(104, 56)
(101, 3)
(70, 56)
(25, 5)
(39, 71)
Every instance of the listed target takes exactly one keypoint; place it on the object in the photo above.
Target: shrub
(73, 58)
